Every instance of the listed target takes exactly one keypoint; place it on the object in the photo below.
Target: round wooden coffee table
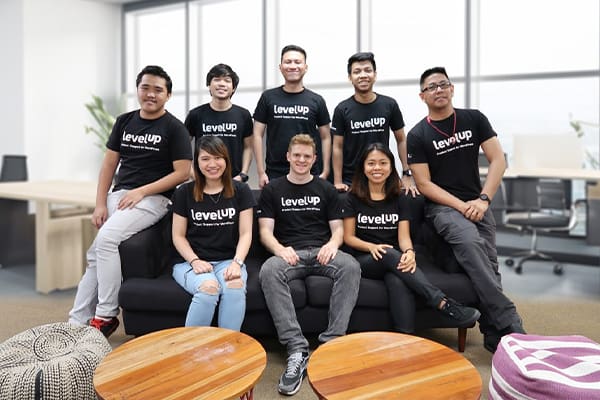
(182, 363)
(388, 365)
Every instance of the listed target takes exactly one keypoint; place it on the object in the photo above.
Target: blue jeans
(274, 276)
(474, 246)
(232, 307)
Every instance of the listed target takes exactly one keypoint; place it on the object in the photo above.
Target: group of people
(303, 220)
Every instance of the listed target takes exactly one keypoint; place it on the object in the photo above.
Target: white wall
(71, 49)
(12, 140)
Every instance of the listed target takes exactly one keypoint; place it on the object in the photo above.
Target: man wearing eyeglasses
(443, 153)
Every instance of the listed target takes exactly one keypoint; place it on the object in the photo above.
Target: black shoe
(107, 327)
(492, 339)
(464, 316)
(291, 379)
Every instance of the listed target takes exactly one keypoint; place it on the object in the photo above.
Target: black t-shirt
(378, 222)
(301, 212)
(231, 126)
(452, 160)
(362, 124)
(287, 114)
(212, 224)
(147, 148)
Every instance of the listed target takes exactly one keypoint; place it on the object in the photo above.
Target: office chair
(14, 168)
(552, 211)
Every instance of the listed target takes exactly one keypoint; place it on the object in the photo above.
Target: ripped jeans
(210, 287)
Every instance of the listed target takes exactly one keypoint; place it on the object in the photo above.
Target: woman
(376, 227)
(212, 231)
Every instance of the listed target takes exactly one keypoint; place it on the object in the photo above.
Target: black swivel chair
(551, 211)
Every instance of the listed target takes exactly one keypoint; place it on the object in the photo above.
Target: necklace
(218, 197)
(441, 131)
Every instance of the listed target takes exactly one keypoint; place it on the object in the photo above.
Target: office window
(538, 36)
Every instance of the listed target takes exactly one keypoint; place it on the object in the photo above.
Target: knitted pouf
(53, 361)
(545, 367)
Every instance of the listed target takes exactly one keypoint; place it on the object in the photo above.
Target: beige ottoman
(53, 361)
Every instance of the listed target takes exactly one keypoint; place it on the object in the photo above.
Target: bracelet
(192, 260)
(409, 249)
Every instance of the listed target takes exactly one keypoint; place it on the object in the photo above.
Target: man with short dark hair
(220, 117)
(443, 151)
(364, 118)
(285, 111)
(152, 150)
(300, 222)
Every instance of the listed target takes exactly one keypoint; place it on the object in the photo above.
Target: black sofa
(151, 300)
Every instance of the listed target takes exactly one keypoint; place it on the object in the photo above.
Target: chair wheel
(558, 269)
(519, 270)
(509, 262)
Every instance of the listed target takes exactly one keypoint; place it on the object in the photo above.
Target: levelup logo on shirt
(147, 141)
(459, 138)
(219, 128)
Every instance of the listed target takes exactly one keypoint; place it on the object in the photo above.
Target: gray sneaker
(463, 315)
(291, 379)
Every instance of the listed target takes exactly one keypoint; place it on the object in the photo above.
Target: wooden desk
(182, 363)
(62, 236)
(388, 365)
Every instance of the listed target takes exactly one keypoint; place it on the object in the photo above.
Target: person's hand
(326, 253)
(408, 184)
(233, 271)
(475, 210)
(237, 178)
(263, 179)
(130, 199)
(407, 262)
(99, 216)
(289, 255)
(201, 266)
(342, 187)
(378, 250)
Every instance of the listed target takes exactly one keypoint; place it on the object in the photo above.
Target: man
(222, 118)
(442, 152)
(362, 119)
(285, 111)
(300, 223)
(153, 151)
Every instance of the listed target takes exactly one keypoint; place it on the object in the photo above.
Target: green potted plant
(104, 120)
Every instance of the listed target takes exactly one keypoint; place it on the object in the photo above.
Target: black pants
(401, 286)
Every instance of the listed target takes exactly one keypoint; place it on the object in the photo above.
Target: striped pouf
(53, 361)
(535, 367)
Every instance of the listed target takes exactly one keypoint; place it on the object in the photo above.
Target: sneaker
(491, 340)
(107, 327)
(465, 316)
(290, 381)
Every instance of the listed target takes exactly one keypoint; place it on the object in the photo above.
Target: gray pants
(474, 246)
(274, 276)
(98, 290)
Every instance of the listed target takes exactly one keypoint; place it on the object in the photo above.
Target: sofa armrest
(148, 253)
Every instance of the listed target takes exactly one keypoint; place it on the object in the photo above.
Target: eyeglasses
(432, 87)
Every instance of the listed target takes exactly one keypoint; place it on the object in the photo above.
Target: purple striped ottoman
(545, 367)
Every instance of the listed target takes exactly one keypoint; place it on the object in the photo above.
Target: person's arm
(432, 191)
(407, 259)
(376, 249)
(338, 162)
(105, 178)
(258, 133)
(181, 243)
(325, 133)
(247, 153)
(407, 181)
(266, 228)
(329, 249)
(233, 271)
(181, 172)
(495, 155)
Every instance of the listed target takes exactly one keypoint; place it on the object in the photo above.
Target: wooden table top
(60, 192)
(182, 363)
(388, 365)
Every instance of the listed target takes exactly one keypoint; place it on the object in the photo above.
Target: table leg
(249, 395)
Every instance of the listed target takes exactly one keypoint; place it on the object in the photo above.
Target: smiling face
(377, 167)
(301, 158)
(362, 76)
(437, 92)
(152, 95)
(221, 87)
(211, 166)
(293, 66)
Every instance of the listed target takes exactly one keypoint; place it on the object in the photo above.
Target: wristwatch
(407, 172)
(244, 177)
(485, 197)
(238, 261)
